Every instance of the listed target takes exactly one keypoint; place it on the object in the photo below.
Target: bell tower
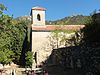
(38, 16)
(37, 35)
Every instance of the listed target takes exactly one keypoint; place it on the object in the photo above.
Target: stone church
(41, 44)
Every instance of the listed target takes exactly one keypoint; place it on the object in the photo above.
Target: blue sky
(55, 9)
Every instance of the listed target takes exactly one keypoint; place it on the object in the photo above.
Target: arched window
(38, 17)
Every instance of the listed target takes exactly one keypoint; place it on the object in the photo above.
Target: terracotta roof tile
(38, 8)
(54, 27)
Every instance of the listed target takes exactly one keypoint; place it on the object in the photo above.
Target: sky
(55, 9)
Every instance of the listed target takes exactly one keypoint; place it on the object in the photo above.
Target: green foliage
(6, 56)
(91, 31)
(2, 8)
(29, 59)
(89, 35)
(12, 35)
(88, 39)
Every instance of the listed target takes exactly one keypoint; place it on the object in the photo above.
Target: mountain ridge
(69, 20)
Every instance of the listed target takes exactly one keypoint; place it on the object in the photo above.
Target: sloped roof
(38, 8)
(54, 27)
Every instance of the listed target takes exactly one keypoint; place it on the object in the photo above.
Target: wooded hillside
(70, 20)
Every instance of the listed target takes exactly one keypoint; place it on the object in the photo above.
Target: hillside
(70, 20)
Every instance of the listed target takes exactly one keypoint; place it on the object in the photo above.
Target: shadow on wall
(83, 59)
(64, 61)
(73, 60)
(64, 57)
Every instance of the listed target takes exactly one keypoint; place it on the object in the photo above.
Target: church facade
(41, 42)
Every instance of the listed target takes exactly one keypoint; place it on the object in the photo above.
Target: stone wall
(43, 45)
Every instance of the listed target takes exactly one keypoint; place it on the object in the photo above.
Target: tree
(29, 59)
(13, 33)
(88, 40)
(6, 54)
(91, 31)
(2, 8)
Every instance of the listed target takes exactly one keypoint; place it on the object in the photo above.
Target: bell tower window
(38, 17)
